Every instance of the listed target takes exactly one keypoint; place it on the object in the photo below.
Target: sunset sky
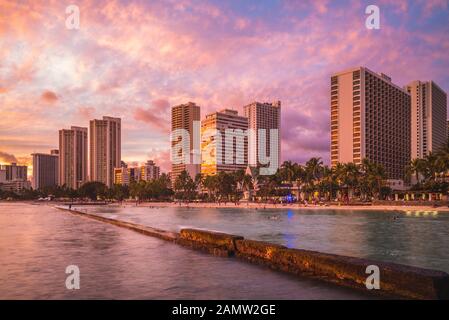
(135, 59)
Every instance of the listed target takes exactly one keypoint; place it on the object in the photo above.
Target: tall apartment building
(73, 157)
(224, 142)
(104, 149)
(447, 130)
(13, 172)
(429, 113)
(149, 171)
(188, 157)
(370, 118)
(264, 116)
(45, 170)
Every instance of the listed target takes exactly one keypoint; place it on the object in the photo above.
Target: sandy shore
(261, 206)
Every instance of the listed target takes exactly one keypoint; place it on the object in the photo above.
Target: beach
(252, 205)
(261, 206)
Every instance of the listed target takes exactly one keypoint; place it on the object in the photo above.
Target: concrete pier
(396, 280)
(153, 232)
(217, 243)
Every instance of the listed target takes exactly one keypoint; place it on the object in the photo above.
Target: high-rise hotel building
(45, 170)
(370, 118)
(263, 116)
(429, 114)
(105, 149)
(186, 153)
(224, 142)
(447, 130)
(73, 157)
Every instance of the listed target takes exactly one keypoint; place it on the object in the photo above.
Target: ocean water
(38, 242)
(418, 238)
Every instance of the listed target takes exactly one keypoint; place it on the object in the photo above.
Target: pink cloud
(155, 115)
(161, 104)
(49, 96)
(86, 113)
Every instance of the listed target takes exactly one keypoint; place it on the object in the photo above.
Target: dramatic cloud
(135, 59)
(7, 158)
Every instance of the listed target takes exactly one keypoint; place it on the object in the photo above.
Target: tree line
(313, 180)
(429, 173)
(365, 181)
(157, 189)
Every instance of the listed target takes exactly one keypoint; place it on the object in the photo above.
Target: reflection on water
(38, 242)
(419, 238)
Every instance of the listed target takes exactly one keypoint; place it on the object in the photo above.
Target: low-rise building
(124, 175)
(149, 171)
(15, 186)
(14, 172)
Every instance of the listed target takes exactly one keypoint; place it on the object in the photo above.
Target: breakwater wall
(396, 280)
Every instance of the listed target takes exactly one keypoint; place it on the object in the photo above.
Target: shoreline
(252, 205)
(261, 206)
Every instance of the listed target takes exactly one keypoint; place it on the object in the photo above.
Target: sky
(136, 59)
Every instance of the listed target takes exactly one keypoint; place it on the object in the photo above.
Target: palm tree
(328, 182)
(165, 180)
(199, 180)
(432, 166)
(379, 177)
(288, 171)
(350, 177)
(416, 167)
(210, 184)
(443, 158)
(339, 173)
(226, 185)
(314, 167)
(185, 186)
(239, 176)
(313, 170)
(365, 181)
(268, 187)
(374, 175)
